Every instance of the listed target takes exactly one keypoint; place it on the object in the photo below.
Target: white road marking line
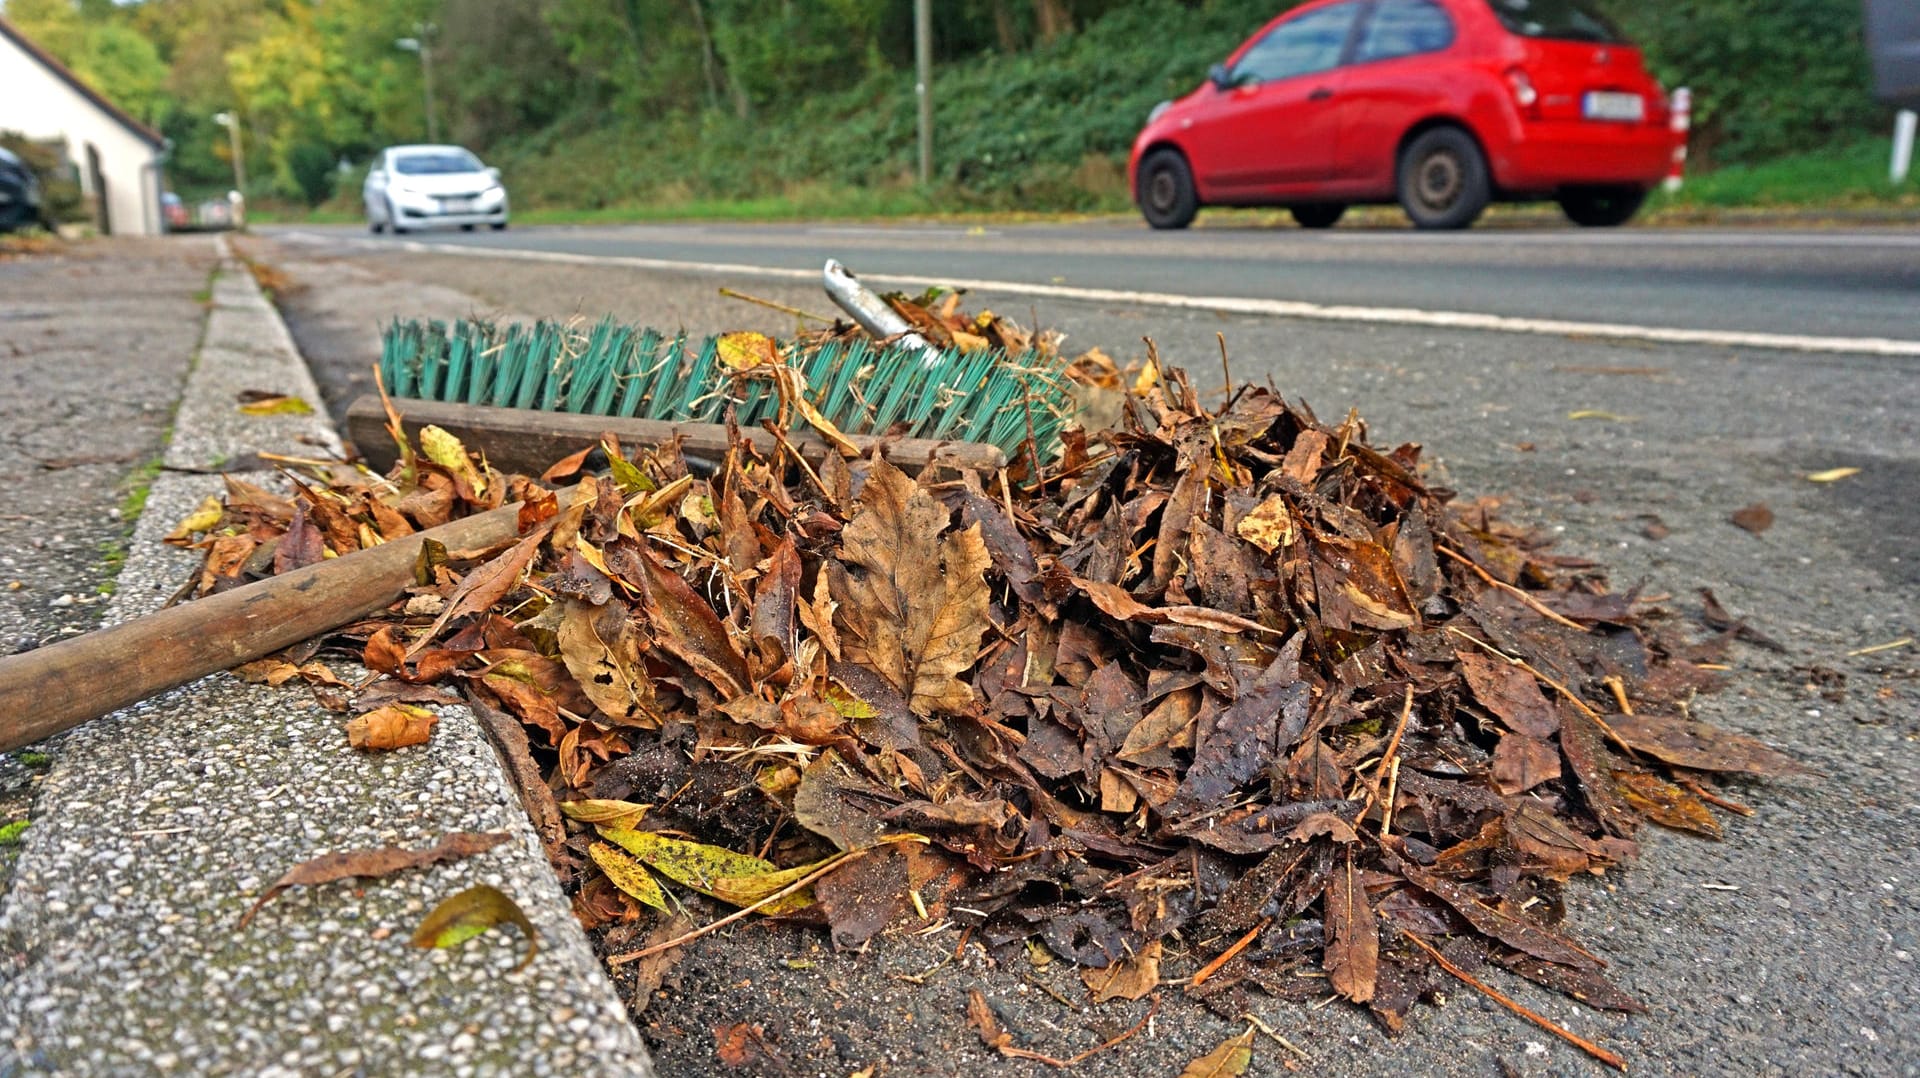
(1280, 308)
(898, 233)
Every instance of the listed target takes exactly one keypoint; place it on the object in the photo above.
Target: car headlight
(1159, 111)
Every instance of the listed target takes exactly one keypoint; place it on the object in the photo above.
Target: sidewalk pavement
(159, 825)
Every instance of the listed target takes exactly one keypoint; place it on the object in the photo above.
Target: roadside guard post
(1681, 120)
(1903, 125)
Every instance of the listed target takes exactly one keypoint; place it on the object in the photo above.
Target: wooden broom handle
(53, 688)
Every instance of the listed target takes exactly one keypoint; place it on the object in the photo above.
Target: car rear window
(1561, 20)
(435, 164)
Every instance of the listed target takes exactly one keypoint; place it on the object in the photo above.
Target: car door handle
(1320, 94)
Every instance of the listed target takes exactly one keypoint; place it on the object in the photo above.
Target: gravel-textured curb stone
(246, 348)
(162, 823)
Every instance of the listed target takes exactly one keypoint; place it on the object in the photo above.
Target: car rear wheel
(1318, 214)
(1167, 195)
(498, 226)
(375, 227)
(1443, 180)
(1601, 207)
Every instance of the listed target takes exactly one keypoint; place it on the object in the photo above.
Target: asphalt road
(1790, 948)
(1848, 284)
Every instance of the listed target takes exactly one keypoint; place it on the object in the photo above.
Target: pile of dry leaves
(1234, 675)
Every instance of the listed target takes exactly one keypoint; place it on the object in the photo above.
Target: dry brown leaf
(488, 584)
(394, 726)
(1664, 803)
(1755, 518)
(684, 624)
(913, 605)
(1353, 937)
(1700, 747)
(981, 1018)
(1269, 526)
(1130, 978)
(601, 650)
(375, 863)
(1509, 692)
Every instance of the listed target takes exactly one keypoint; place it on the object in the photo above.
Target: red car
(1440, 105)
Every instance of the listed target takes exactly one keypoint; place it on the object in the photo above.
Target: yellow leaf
(629, 875)
(1149, 376)
(1230, 1060)
(597, 810)
(277, 406)
(1832, 475)
(442, 448)
(470, 913)
(204, 518)
(746, 890)
(626, 474)
(746, 350)
(706, 869)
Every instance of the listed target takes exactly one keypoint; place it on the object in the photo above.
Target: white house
(119, 158)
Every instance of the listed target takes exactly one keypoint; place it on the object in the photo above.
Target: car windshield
(437, 163)
(1563, 20)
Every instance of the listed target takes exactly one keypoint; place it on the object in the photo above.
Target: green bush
(1768, 79)
(312, 167)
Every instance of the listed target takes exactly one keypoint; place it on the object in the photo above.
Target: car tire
(1601, 207)
(375, 227)
(466, 228)
(1318, 214)
(498, 226)
(1168, 198)
(393, 221)
(1443, 181)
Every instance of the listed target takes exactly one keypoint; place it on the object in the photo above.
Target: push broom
(527, 395)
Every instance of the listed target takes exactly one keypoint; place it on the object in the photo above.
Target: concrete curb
(161, 823)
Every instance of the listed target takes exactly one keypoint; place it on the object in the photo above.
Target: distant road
(1836, 286)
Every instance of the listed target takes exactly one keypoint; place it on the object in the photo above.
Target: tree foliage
(726, 97)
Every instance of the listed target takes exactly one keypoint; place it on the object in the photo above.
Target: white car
(412, 187)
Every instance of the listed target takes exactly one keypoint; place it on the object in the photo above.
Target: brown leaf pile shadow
(1234, 675)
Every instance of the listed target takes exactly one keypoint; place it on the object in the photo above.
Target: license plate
(1603, 105)
(456, 205)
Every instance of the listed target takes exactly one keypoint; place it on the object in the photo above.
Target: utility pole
(923, 82)
(422, 43)
(231, 121)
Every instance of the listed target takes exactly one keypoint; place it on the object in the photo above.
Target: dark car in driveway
(19, 194)
(1443, 106)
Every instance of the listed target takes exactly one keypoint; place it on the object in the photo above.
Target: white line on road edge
(1280, 308)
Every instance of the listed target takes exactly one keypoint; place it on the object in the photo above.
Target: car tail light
(1524, 95)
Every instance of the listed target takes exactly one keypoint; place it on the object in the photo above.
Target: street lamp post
(923, 82)
(232, 123)
(422, 43)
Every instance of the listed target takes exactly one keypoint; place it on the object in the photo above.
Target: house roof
(65, 74)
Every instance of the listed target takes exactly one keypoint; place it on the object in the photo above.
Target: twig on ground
(1538, 1019)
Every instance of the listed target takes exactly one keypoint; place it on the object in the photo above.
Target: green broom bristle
(615, 370)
